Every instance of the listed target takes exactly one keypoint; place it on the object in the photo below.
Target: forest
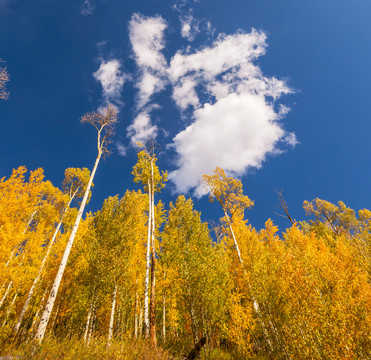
(140, 279)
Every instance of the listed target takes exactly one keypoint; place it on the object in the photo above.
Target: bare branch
(4, 78)
(283, 205)
(104, 120)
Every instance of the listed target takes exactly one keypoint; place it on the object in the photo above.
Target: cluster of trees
(139, 270)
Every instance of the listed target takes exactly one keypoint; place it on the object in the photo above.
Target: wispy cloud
(87, 7)
(142, 129)
(112, 80)
(121, 149)
(189, 27)
(147, 40)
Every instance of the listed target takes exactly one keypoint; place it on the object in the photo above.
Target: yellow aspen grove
(104, 121)
(74, 186)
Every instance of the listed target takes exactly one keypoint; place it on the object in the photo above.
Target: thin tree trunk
(55, 318)
(146, 279)
(10, 308)
(6, 293)
(164, 312)
(136, 313)
(92, 326)
(234, 238)
(140, 319)
(153, 267)
(53, 294)
(112, 318)
(36, 316)
(87, 326)
(41, 268)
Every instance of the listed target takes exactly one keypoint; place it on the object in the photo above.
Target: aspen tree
(104, 122)
(228, 192)
(146, 172)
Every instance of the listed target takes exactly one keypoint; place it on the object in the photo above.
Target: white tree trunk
(140, 319)
(153, 267)
(6, 293)
(53, 294)
(146, 279)
(36, 316)
(10, 308)
(87, 326)
(92, 327)
(234, 237)
(112, 318)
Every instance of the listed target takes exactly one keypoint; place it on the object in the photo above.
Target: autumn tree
(104, 122)
(228, 192)
(146, 172)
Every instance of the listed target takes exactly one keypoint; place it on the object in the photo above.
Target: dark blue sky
(320, 49)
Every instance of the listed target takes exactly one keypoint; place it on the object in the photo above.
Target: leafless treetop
(104, 120)
(4, 78)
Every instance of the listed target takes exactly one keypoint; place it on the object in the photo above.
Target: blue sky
(275, 92)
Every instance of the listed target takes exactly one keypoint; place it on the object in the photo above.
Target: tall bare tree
(104, 121)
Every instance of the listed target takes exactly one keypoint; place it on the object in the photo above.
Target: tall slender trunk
(87, 326)
(136, 313)
(36, 316)
(146, 279)
(92, 326)
(164, 311)
(140, 319)
(53, 294)
(234, 237)
(6, 293)
(112, 318)
(10, 308)
(41, 268)
(153, 267)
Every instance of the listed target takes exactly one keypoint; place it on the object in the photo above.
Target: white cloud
(142, 129)
(184, 93)
(291, 139)
(87, 7)
(112, 80)
(225, 54)
(237, 126)
(235, 133)
(147, 40)
(121, 149)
